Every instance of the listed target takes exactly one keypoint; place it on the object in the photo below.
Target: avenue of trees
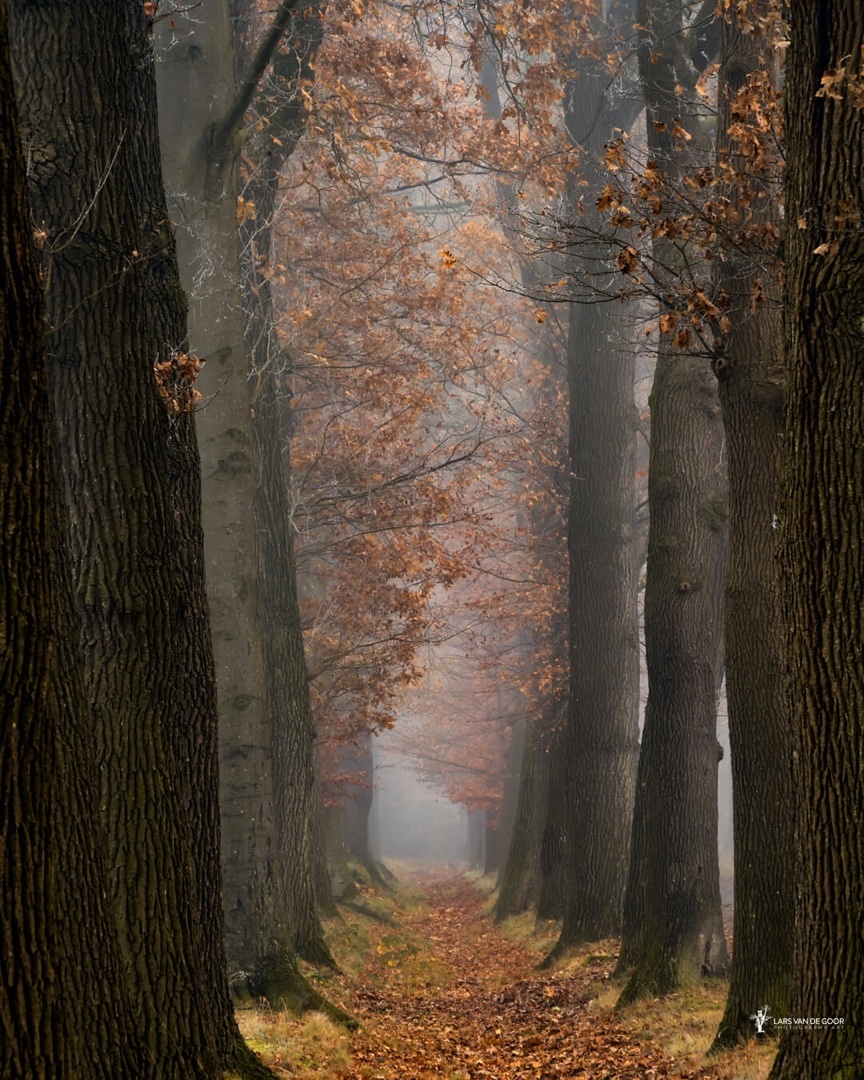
(458, 370)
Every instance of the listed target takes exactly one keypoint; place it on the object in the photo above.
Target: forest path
(445, 995)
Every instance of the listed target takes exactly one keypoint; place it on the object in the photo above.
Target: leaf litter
(443, 994)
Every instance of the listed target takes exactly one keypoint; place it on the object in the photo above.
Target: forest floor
(441, 993)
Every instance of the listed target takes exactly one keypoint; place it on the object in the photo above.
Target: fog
(410, 820)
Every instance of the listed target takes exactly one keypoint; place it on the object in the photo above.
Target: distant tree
(821, 527)
(279, 120)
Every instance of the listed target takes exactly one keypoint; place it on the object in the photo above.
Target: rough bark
(600, 739)
(114, 309)
(35, 1026)
(821, 529)
(749, 368)
(64, 1006)
(674, 929)
(293, 731)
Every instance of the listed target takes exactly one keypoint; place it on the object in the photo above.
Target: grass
(684, 1024)
(310, 1045)
(373, 950)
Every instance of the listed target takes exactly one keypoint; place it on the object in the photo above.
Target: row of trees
(426, 435)
(694, 227)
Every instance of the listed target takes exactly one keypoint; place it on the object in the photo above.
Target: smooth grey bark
(821, 528)
(197, 90)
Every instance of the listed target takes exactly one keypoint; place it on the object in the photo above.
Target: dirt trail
(494, 1017)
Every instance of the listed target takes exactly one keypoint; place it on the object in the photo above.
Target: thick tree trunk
(293, 731)
(114, 309)
(600, 739)
(674, 928)
(37, 1035)
(287, 681)
(65, 1010)
(749, 369)
(821, 528)
(197, 88)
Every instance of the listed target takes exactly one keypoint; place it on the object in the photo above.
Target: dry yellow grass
(311, 1045)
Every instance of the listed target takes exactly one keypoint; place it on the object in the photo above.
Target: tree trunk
(65, 1010)
(821, 529)
(516, 748)
(491, 842)
(749, 368)
(521, 875)
(114, 309)
(675, 926)
(600, 739)
(322, 882)
(476, 839)
(553, 836)
(197, 88)
(293, 731)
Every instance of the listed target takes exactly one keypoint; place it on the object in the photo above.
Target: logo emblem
(760, 1018)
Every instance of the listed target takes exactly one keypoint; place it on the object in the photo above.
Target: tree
(748, 363)
(64, 1004)
(397, 369)
(673, 928)
(599, 740)
(590, 789)
(821, 528)
(121, 385)
(287, 686)
(201, 128)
